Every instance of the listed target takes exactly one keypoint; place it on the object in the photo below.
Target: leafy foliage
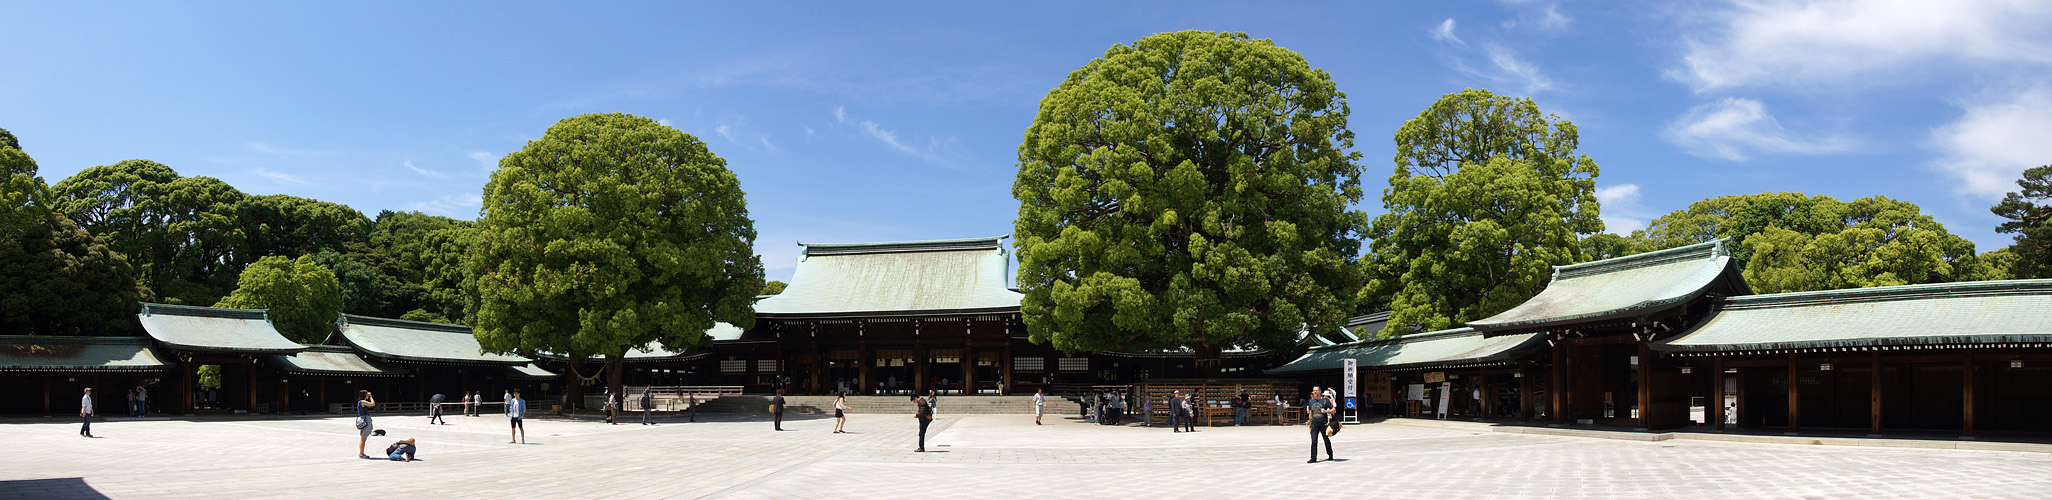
(2029, 216)
(1488, 195)
(774, 287)
(57, 279)
(209, 377)
(22, 193)
(1189, 189)
(8, 140)
(357, 283)
(609, 233)
(181, 233)
(1789, 242)
(303, 297)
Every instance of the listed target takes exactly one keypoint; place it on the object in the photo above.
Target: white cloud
(280, 177)
(1989, 147)
(1512, 70)
(1732, 127)
(1795, 42)
(486, 162)
(461, 206)
(936, 147)
(1622, 213)
(425, 172)
(766, 144)
(1445, 32)
(725, 132)
(664, 122)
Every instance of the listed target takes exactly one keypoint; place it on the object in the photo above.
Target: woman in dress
(364, 402)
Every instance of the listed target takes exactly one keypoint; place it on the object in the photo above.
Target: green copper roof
(25, 353)
(1624, 286)
(330, 360)
(1982, 312)
(195, 328)
(529, 371)
(896, 278)
(419, 342)
(1459, 346)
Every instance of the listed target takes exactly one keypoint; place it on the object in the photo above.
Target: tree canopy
(55, 279)
(303, 297)
(181, 233)
(1488, 194)
(1190, 189)
(1789, 242)
(2028, 215)
(612, 232)
(774, 287)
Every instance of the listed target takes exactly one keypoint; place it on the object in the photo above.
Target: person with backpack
(401, 451)
(924, 412)
(647, 405)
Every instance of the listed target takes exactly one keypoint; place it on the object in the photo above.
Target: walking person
(923, 411)
(1039, 404)
(933, 401)
(1175, 407)
(647, 405)
(131, 403)
(777, 409)
(85, 413)
(467, 406)
(516, 409)
(1318, 408)
(142, 401)
(364, 403)
(435, 410)
(1280, 405)
(612, 407)
(840, 413)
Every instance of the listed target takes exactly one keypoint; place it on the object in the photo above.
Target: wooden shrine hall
(1675, 338)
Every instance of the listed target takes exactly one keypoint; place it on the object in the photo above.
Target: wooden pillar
(919, 369)
(1717, 393)
(1645, 384)
(46, 395)
(1967, 396)
(1488, 396)
(1557, 384)
(1794, 387)
(1874, 394)
(185, 389)
(863, 365)
(1005, 370)
(1739, 379)
(1524, 394)
(969, 359)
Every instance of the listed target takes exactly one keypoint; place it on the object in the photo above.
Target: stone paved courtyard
(996, 456)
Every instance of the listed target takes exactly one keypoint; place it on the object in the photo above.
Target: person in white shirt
(85, 413)
(516, 408)
(1039, 400)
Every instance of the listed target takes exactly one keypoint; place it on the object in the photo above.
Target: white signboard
(1445, 395)
(1416, 392)
(1347, 371)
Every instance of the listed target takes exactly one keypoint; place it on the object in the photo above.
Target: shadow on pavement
(64, 487)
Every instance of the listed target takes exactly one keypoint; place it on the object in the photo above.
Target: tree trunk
(1207, 360)
(573, 389)
(615, 362)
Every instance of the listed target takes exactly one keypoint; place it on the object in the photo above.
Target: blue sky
(899, 121)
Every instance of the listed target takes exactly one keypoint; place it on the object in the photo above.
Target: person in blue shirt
(517, 408)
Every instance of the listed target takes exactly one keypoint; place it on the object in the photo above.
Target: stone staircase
(956, 405)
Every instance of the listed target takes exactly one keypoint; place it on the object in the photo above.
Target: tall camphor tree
(55, 279)
(1791, 242)
(2029, 214)
(610, 233)
(1190, 189)
(302, 297)
(1487, 196)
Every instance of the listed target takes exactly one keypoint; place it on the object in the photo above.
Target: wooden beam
(1646, 420)
(1967, 398)
(1524, 395)
(1795, 385)
(1558, 384)
(1717, 393)
(1874, 393)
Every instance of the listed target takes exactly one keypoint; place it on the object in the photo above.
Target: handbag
(362, 422)
(1330, 430)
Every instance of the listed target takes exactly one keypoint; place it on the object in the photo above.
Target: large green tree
(303, 297)
(612, 232)
(55, 279)
(419, 263)
(290, 226)
(1190, 189)
(2029, 216)
(1789, 242)
(1488, 194)
(183, 234)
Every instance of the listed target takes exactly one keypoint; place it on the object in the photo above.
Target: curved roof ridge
(1887, 293)
(352, 319)
(1408, 338)
(985, 243)
(1701, 251)
(149, 308)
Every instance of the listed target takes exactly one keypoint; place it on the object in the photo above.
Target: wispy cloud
(935, 149)
(279, 177)
(1998, 137)
(1733, 127)
(1542, 15)
(486, 162)
(1622, 213)
(1754, 43)
(1445, 33)
(1517, 71)
(423, 171)
(462, 206)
